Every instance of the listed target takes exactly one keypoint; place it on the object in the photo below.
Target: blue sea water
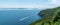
(12, 17)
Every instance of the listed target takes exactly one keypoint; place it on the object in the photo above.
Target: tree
(49, 17)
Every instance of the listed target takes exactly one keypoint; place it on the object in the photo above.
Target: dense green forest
(49, 17)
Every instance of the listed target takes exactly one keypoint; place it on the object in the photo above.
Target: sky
(29, 3)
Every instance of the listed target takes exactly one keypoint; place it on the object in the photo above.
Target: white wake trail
(23, 19)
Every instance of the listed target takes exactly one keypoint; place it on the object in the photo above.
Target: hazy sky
(29, 3)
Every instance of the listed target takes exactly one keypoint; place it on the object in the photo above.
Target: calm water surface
(12, 17)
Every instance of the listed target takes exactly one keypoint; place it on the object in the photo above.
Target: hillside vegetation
(49, 17)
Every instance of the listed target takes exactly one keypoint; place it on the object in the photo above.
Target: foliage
(49, 17)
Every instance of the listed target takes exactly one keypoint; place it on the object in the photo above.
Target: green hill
(49, 17)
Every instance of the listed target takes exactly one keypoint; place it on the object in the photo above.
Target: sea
(18, 16)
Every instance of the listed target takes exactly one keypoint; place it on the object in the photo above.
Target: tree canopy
(49, 17)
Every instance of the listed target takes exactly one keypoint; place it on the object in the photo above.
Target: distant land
(18, 8)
